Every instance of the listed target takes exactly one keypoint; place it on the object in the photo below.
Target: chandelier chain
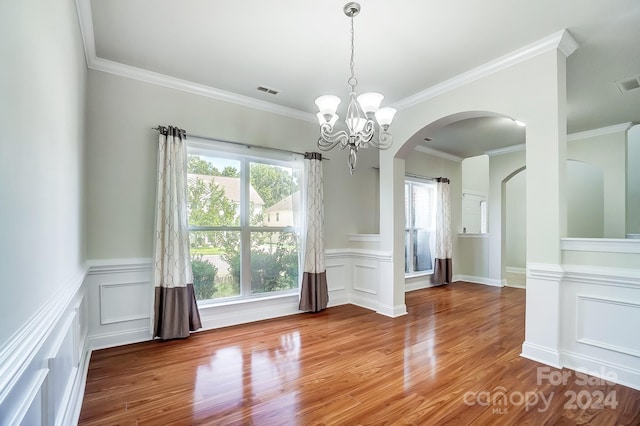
(353, 81)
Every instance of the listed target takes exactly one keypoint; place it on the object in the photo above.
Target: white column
(546, 213)
(391, 290)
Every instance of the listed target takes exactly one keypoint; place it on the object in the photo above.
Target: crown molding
(85, 19)
(622, 127)
(437, 153)
(99, 64)
(506, 150)
(567, 44)
(158, 79)
(561, 40)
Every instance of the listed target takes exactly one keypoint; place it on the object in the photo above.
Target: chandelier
(364, 114)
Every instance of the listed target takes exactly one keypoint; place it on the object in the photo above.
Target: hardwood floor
(454, 359)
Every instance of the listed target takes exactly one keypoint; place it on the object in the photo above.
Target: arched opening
(477, 250)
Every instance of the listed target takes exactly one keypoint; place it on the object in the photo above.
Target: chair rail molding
(607, 245)
(43, 366)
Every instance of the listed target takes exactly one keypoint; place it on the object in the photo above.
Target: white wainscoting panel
(359, 269)
(120, 295)
(62, 369)
(365, 277)
(542, 314)
(43, 366)
(32, 410)
(603, 323)
(336, 277)
(600, 319)
(122, 302)
(337, 282)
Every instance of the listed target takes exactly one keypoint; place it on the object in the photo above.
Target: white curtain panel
(314, 294)
(442, 273)
(314, 247)
(176, 310)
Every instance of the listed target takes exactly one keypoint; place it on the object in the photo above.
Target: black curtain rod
(247, 145)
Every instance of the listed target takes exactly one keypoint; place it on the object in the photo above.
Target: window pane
(407, 205)
(422, 203)
(274, 195)
(214, 191)
(407, 245)
(421, 251)
(215, 261)
(274, 261)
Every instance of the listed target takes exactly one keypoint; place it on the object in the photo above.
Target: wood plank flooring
(454, 359)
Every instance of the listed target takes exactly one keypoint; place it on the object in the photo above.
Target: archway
(534, 92)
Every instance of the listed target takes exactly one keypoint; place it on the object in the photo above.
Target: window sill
(207, 304)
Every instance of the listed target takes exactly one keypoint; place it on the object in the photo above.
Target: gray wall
(121, 161)
(42, 104)
(515, 221)
(607, 153)
(633, 180)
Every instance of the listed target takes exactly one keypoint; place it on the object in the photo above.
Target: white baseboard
(541, 354)
(603, 369)
(337, 300)
(392, 311)
(478, 280)
(515, 270)
(364, 302)
(120, 338)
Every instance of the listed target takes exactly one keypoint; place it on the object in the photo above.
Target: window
(419, 199)
(474, 212)
(483, 217)
(236, 252)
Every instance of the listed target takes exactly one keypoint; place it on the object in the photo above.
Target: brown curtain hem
(314, 295)
(442, 271)
(176, 312)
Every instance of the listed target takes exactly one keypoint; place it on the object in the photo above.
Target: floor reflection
(254, 380)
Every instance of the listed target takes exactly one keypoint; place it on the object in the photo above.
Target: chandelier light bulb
(322, 119)
(355, 125)
(328, 104)
(370, 102)
(384, 117)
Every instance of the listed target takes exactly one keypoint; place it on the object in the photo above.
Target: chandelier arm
(328, 140)
(384, 141)
(367, 133)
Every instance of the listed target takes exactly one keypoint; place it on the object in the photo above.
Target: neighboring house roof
(231, 186)
(289, 203)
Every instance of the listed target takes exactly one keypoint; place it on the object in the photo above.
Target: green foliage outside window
(274, 255)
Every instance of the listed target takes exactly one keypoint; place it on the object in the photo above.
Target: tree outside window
(235, 250)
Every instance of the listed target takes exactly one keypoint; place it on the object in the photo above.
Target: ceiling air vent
(267, 90)
(628, 84)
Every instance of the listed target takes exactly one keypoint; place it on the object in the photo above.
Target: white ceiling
(301, 49)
